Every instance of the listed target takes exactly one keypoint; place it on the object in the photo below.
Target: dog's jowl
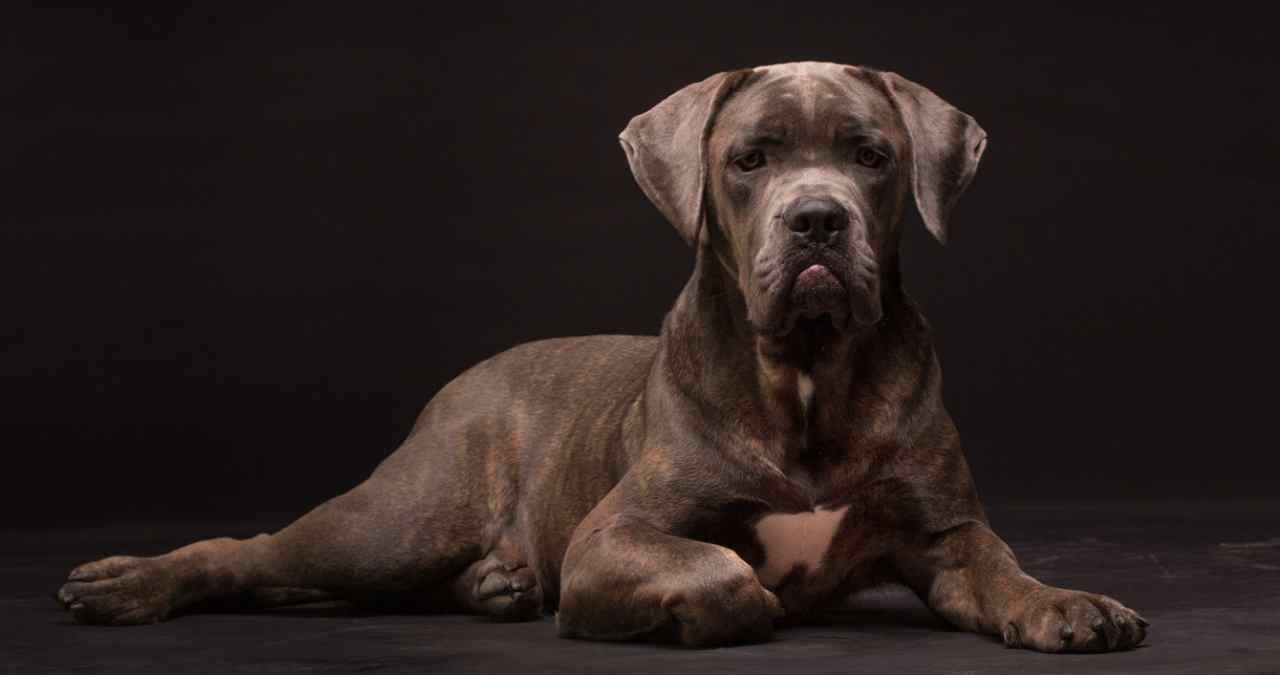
(780, 445)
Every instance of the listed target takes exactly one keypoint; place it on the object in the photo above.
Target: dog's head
(795, 177)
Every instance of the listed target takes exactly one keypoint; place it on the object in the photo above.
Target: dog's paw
(506, 592)
(1059, 620)
(725, 604)
(510, 595)
(119, 590)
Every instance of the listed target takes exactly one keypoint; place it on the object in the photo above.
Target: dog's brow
(849, 124)
(763, 138)
(766, 131)
(853, 131)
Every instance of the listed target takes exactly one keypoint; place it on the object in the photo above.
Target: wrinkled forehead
(806, 100)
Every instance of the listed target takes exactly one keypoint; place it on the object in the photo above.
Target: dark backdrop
(241, 249)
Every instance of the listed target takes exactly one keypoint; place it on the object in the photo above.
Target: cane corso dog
(779, 446)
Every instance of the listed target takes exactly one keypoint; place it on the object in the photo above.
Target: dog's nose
(816, 218)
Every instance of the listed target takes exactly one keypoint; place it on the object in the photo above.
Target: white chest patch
(790, 539)
(804, 390)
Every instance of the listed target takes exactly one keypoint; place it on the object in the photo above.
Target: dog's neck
(792, 386)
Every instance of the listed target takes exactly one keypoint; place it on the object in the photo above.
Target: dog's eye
(751, 161)
(869, 158)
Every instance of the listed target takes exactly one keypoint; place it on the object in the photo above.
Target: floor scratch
(1273, 542)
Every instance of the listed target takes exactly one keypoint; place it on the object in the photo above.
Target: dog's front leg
(969, 576)
(623, 578)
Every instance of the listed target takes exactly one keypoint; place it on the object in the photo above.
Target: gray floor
(1207, 576)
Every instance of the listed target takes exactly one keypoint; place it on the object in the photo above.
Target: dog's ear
(667, 147)
(946, 145)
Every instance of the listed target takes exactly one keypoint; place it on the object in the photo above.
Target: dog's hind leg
(266, 597)
(386, 536)
(209, 573)
(439, 503)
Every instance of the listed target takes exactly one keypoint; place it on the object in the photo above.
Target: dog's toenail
(1010, 636)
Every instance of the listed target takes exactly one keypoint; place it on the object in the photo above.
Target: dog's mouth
(818, 299)
(828, 295)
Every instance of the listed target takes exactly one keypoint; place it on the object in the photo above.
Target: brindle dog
(781, 444)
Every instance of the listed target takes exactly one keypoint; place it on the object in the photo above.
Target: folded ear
(667, 147)
(946, 145)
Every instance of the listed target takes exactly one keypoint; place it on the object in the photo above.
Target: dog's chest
(793, 539)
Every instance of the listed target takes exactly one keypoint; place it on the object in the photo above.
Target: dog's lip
(817, 277)
(816, 292)
(816, 285)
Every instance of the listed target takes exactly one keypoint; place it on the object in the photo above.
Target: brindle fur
(618, 478)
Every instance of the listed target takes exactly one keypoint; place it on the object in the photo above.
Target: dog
(779, 446)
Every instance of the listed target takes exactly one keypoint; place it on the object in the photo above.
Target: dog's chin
(818, 299)
(821, 302)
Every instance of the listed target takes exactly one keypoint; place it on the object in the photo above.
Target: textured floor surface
(1206, 574)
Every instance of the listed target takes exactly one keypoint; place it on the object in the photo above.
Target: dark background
(241, 249)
